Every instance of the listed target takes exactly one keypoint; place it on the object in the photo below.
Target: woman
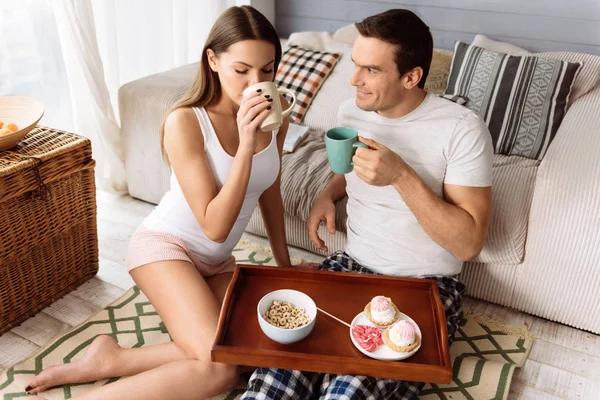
(181, 256)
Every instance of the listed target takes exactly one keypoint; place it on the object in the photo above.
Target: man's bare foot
(91, 367)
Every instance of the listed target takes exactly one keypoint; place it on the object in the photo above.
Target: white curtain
(31, 62)
(73, 55)
(137, 38)
(92, 109)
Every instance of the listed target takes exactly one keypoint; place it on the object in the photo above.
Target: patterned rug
(484, 354)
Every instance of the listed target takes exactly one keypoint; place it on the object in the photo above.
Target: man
(419, 199)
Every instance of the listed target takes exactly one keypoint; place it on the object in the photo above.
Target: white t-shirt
(444, 143)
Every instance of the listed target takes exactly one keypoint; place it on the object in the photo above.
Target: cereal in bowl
(283, 314)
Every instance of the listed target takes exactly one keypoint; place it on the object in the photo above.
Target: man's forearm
(336, 188)
(448, 225)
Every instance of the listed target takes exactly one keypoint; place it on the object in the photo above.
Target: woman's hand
(253, 111)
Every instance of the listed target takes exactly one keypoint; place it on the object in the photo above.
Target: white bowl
(298, 299)
(23, 111)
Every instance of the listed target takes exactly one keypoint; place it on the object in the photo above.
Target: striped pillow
(521, 99)
(304, 71)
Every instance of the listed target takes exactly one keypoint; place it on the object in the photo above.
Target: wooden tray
(328, 347)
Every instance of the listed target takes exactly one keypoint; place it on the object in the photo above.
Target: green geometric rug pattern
(481, 351)
(483, 358)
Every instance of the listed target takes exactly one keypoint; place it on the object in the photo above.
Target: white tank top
(173, 215)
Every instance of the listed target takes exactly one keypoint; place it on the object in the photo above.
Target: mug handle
(358, 144)
(289, 109)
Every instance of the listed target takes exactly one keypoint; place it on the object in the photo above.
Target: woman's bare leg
(105, 358)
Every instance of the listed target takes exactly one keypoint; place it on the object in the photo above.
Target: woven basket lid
(42, 156)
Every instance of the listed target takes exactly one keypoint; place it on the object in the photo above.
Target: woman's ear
(212, 59)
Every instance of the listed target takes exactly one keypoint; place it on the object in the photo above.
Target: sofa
(542, 255)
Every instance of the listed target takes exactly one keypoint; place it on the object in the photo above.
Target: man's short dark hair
(414, 44)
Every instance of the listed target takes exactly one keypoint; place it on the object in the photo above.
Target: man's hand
(378, 165)
(323, 209)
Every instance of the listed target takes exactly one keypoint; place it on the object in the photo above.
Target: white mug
(276, 115)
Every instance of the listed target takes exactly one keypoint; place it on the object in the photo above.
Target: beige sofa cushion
(346, 34)
(317, 41)
(438, 72)
(512, 191)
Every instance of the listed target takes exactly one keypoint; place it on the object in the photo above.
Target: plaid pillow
(304, 71)
(521, 99)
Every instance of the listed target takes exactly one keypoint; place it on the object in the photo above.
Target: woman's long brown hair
(234, 25)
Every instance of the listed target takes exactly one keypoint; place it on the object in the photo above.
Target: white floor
(564, 362)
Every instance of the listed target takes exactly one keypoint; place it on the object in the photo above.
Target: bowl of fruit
(18, 116)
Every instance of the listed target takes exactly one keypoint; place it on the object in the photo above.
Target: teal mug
(341, 144)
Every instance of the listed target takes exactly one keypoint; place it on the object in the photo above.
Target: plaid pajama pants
(272, 383)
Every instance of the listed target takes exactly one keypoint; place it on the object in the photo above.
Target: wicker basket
(48, 234)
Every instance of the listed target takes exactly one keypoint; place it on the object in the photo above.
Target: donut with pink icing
(382, 311)
(402, 336)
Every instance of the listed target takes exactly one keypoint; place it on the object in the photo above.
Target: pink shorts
(147, 246)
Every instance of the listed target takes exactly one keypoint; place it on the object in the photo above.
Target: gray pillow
(521, 99)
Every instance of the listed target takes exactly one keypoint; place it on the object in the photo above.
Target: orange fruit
(5, 131)
(1, 124)
(12, 126)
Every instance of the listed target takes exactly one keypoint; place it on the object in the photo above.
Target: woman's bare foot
(91, 367)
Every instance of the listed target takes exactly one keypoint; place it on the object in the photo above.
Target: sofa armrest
(142, 106)
(562, 253)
